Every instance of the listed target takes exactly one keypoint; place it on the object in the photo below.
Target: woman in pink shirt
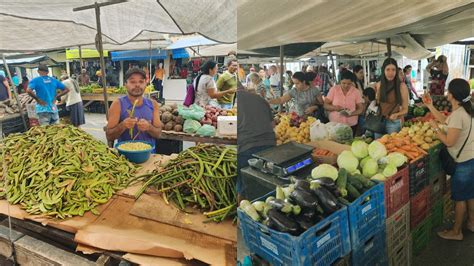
(344, 101)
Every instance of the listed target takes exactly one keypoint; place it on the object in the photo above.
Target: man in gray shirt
(254, 128)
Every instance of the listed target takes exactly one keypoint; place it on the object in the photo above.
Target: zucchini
(341, 181)
(365, 181)
(343, 201)
(249, 209)
(355, 183)
(283, 223)
(279, 193)
(352, 191)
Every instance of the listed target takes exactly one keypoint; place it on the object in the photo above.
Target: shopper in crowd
(23, 85)
(44, 90)
(256, 85)
(5, 92)
(145, 122)
(370, 107)
(407, 74)
(392, 97)
(74, 101)
(275, 80)
(206, 89)
(83, 78)
(359, 73)
(158, 79)
(241, 74)
(269, 94)
(255, 130)
(439, 72)
(288, 81)
(247, 78)
(324, 80)
(341, 68)
(307, 99)
(227, 84)
(459, 124)
(15, 80)
(344, 101)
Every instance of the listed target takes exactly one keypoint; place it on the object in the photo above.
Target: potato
(169, 126)
(166, 117)
(178, 128)
(179, 120)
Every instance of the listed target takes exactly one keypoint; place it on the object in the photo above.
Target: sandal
(448, 236)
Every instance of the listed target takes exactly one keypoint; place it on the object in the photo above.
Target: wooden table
(181, 136)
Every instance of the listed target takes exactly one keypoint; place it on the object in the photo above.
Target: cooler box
(227, 125)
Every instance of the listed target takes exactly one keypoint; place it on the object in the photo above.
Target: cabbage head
(348, 161)
(396, 159)
(389, 170)
(363, 161)
(324, 170)
(360, 149)
(370, 168)
(377, 150)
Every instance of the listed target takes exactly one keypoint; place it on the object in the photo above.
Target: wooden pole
(282, 70)
(15, 91)
(333, 66)
(80, 58)
(100, 48)
(389, 47)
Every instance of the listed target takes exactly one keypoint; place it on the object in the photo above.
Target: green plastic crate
(420, 236)
(434, 163)
(437, 213)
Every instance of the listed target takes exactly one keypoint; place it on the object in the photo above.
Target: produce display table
(181, 136)
(99, 97)
(117, 229)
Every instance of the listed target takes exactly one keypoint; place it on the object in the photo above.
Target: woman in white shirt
(74, 101)
(459, 139)
(205, 86)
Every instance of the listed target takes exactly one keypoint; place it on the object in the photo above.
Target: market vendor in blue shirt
(44, 90)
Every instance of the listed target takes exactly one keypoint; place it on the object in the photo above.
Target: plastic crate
(322, 244)
(371, 251)
(437, 213)
(398, 229)
(418, 175)
(401, 256)
(419, 207)
(437, 187)
(420, 236)
(434, 162)
(396, 191)
(448, 207)
(366, 213)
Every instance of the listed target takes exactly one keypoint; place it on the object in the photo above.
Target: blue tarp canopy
(191, 42)
(179, 53)
(138, 55)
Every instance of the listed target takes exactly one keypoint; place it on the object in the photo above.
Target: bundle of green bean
(202, 177)
(60, 171)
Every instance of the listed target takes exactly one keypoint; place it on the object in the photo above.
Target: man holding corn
(133, 117)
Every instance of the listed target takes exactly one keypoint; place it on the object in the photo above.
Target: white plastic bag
(318, 131)
(339, 132)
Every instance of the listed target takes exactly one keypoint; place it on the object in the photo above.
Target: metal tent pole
(15, 91)
(282, 69)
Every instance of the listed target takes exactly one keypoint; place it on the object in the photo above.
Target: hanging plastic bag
(195, 112)
(206, 131)
(318, 131)
(339, 132)
(191, 126)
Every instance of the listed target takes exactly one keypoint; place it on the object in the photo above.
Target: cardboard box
(331, 146)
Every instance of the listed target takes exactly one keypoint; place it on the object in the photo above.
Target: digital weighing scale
(274, 166)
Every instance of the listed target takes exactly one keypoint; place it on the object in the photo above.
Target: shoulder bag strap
(459, 153)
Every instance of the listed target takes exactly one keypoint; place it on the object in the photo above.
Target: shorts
(390, 127)
(47, 118)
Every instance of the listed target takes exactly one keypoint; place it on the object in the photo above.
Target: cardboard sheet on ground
(146, 260)
(70, 225)
(154, 162)
(153, 207)
(117, 230)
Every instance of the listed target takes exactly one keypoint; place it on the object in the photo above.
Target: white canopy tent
(414, 25)
(32, 25)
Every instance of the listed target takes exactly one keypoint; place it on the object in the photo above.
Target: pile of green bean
(60, 171)
(202, 177)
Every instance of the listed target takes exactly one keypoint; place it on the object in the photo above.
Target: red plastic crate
(419, 207)
(396, 190)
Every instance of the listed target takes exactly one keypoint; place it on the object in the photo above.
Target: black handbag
(376, 122)
(447, 161)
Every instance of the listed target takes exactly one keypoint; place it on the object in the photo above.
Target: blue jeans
(45, 119)
(462, 182)
(390, 127)
(226, 106)
(242, 162)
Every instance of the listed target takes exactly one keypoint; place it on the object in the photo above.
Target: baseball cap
(43, 67)
(135, 70)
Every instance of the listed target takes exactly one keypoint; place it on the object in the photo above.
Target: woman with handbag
(392, 99)
(458, 161)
